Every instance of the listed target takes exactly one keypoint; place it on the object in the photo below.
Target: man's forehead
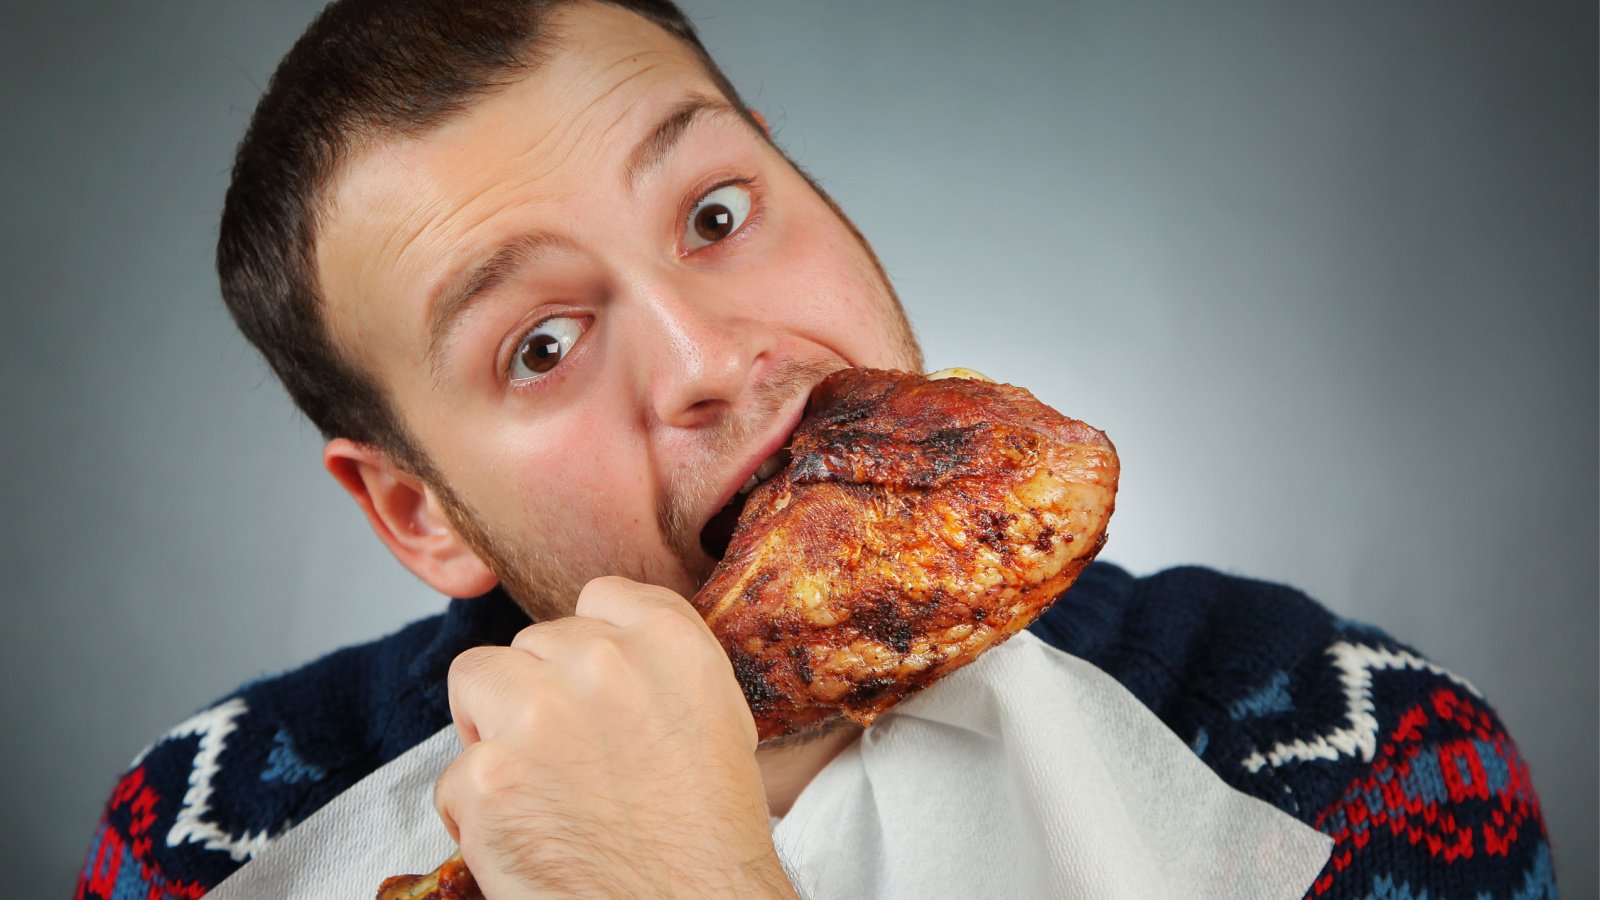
(399, 208)
(601, 69)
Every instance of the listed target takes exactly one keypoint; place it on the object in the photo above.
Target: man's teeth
(772, 464)
(766, 470)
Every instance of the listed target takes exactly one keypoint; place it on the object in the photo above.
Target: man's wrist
(771, 880)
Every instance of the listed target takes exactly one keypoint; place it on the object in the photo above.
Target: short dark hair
(363, 70)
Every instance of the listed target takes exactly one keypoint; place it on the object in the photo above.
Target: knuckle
(670, 628)
(528, 635)
(470, 665)
(488, 769)
(668, 619)
(467, 794)
(541, 635)
(601, 661)
(604, 584)
(608, 590)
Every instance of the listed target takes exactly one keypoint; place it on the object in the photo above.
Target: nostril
(705, 377)
(703, 412)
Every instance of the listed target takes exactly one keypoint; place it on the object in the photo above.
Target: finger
(445, 794)
(558, 638)
(623, 602)
(463, 780)
(491, 690)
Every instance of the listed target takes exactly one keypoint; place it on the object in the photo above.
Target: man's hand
(608, 754)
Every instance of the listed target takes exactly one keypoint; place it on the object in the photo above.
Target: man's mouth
(717, 534)
(780, 403)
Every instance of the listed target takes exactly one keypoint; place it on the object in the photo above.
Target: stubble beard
(545, 588)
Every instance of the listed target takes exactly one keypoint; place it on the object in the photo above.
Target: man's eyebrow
(451, 302)
(458, 295)
(653, 150)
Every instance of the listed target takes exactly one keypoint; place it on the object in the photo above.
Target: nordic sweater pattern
(1334, 722)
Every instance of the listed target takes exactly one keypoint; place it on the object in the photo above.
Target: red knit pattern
(1448, 735)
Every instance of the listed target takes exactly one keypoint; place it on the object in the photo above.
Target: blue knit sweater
(1331, 721)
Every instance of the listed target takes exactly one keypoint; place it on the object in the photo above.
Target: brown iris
(541, 352)
(713, 222)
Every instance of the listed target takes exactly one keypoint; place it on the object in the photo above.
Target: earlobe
(408, 518)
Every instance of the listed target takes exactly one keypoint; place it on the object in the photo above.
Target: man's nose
(705, 352)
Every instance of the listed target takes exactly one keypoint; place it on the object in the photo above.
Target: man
(553, 295)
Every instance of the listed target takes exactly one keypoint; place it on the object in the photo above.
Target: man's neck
(789, 764)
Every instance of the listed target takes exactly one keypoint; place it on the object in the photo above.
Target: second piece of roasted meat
(920, 522)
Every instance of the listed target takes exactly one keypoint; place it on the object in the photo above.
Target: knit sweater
(1331, 721)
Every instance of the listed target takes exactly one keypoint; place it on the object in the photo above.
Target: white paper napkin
(384, 825)
(1030, 773)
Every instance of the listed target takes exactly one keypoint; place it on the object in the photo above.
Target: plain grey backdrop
(1326, 273)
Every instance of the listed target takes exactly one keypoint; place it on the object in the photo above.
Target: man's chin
(544, 600)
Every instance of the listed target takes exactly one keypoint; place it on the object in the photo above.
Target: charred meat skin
(920, 523)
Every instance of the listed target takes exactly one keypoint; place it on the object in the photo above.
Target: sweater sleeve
(209, 794)
(1417, 781)
(159, 836)
(1403, 763)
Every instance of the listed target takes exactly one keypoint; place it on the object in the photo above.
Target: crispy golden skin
(920, 522)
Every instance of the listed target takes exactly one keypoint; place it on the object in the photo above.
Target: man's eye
(545, 346)
(717, 215)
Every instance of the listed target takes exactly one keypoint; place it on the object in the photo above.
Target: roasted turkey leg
(921, 521)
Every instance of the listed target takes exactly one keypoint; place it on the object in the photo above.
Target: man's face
(599, 300)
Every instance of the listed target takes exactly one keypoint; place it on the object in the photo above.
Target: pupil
(714, 222)
(541, 353)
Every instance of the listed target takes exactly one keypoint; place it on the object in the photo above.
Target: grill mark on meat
(752, 588)
(800, 657)
(751, 673)
(948, 450)
(881, 619)
(867, 691)
(776, 630)
(1045, 542)
(937, 598)
(816, 466)
(866, 456)
(833, 403)
(992, 525)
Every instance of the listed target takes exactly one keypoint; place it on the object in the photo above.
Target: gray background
(1325, 272)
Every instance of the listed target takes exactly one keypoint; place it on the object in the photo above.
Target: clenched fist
(608, 754)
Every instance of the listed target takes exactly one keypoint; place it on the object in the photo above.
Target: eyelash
(544, 380)
(751, 222)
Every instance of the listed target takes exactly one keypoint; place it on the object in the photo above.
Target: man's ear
(407, 516)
